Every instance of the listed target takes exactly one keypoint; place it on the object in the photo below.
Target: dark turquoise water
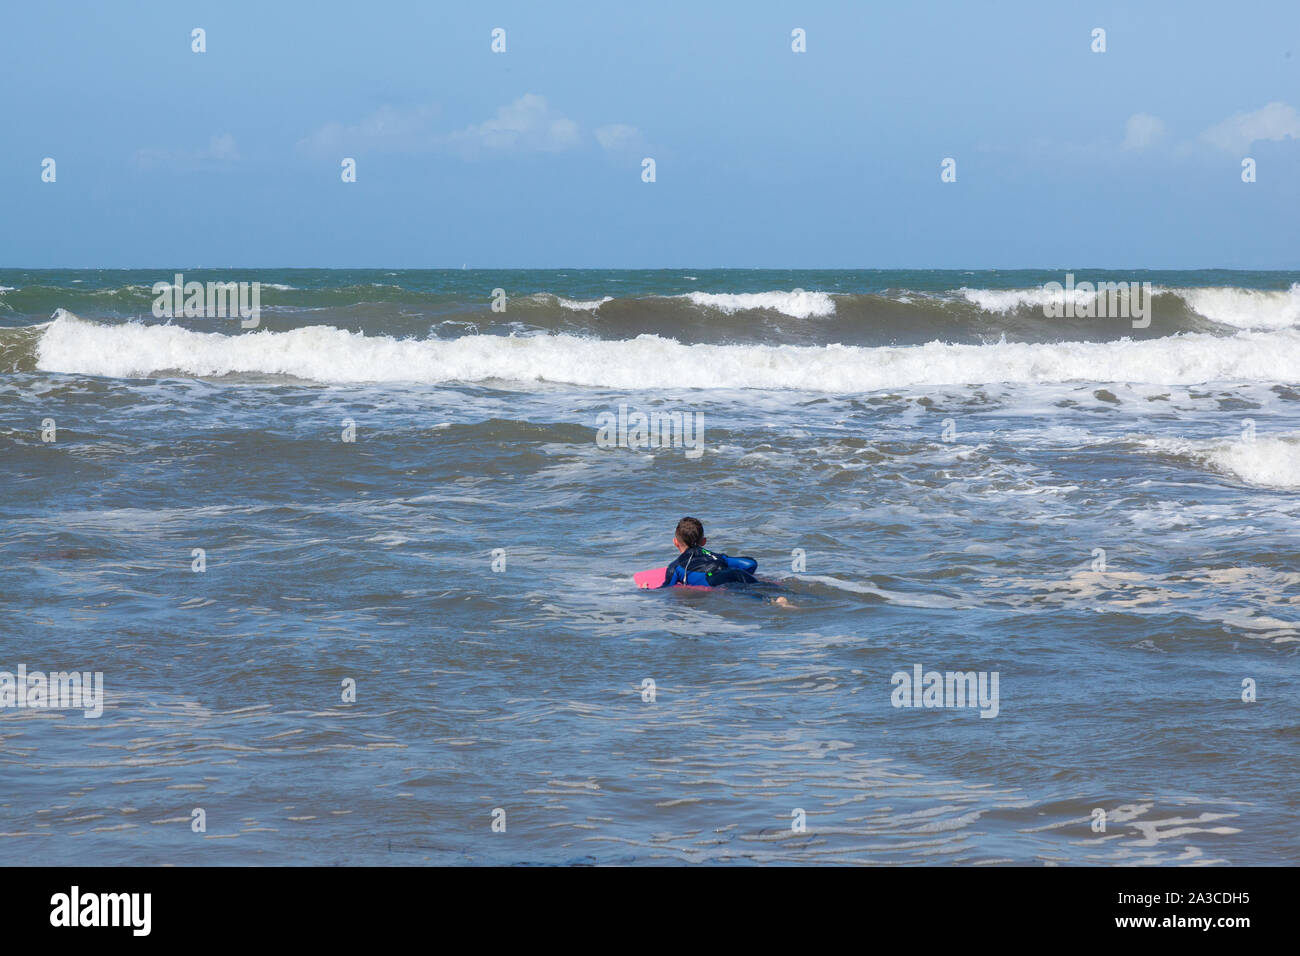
(923, 462)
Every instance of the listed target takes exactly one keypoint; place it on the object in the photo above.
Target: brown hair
(690, 532)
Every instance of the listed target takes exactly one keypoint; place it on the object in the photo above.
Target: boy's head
(689, 534)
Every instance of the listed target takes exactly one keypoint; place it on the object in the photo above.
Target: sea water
(357, 579)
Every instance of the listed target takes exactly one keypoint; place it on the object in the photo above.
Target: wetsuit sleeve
(740, 564)
(670, 574)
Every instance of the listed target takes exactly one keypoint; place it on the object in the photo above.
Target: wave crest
(331, 355)
(1272, 462)
(797, 304)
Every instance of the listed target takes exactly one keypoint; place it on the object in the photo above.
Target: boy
(699, 567)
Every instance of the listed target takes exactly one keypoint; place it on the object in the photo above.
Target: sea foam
(1267, 462)
(1246, 308)
(1239, 308)
(330, 355)
(796, 304)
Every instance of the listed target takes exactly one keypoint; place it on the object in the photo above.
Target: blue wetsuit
(702, 568)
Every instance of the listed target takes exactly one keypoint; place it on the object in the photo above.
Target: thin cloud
(220, 151)
(1142, 131)
(618, 137)
(1276, 121)
(525, 126)
(388, 129)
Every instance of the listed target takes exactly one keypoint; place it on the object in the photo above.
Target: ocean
(357, 578)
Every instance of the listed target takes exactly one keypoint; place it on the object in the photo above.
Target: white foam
(573, 305)
(1267, 462)
(330, 355)
(1246, 308)
(1240, 308)
(583, 305)
(1003, 301)
(797, 304)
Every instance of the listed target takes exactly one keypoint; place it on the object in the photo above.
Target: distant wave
(325, 354)
(1268, 462)
(573, 305)
(890, 317)
(580, 306)
(1003, 301)
(1238, 308)
(1246, 308)
(798, 305)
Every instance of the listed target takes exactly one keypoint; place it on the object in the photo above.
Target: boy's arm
(670, 574)
(740, 564)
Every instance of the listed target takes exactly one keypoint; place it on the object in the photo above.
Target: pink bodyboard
(650, 579)
(655, 579)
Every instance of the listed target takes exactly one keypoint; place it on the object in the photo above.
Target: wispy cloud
(220, 151)
(1276, 121)
(526, 125)
(1142, 131)
(618, 137)
(406, 129)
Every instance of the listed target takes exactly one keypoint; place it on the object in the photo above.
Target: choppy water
(947, 459)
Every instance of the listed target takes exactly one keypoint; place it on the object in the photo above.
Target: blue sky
(764, 158)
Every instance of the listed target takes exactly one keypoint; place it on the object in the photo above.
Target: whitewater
(70, 345)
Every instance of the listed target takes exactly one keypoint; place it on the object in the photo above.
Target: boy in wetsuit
(696, 566)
